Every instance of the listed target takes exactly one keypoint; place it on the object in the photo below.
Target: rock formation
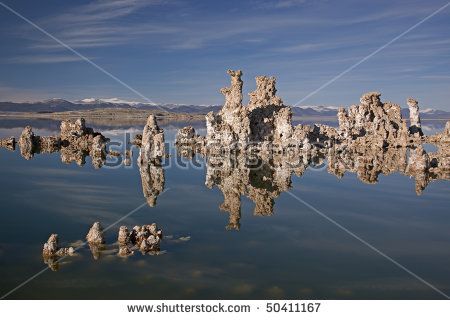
(149, 161)
(146, 238)
(373, 122)
(188, 136)
(51, 245)
(9, 143)
(51, 252)
(96, 234)
(27, 143)
(266, 123)
(264, 120)
(78, 141)
(253, 150)
(415, 127)
(440, 138)
(152, 145)
(124, 235)
(75, 142)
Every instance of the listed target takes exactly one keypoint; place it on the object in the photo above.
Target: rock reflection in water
(263, 178)
(255, 149)
(150, 156)
(75, 142)
(9, 144)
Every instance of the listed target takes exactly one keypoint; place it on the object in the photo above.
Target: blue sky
(178, 51)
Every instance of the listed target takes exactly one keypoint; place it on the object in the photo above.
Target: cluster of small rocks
(146, 238)
(51, 247)
(51, 252)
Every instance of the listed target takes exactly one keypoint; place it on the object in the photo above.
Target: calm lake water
(295, 253)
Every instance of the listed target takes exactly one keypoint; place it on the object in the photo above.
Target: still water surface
(294, 253)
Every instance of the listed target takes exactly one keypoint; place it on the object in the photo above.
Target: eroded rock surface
(96, 234)
(146, 238)
(27, 143)
(9, 143)
(266, 123)
(75, 142)
(152, 145)
(415, 127)
(51, 252)
(253, 150)
(149, 161)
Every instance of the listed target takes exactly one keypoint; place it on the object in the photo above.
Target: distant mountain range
(59, 105)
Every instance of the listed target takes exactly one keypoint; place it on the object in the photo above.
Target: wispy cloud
(97, 24)
(305, 47)
(437, 77)
(292, 40)
(42, 59)
(282, 3)
(114, 23)
(103, 10)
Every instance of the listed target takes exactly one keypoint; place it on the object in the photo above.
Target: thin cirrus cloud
(43, 59)
(98, 24)
(104, 23)
(103, 10)
(286, 38)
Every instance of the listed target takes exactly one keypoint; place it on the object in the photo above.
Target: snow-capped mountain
(57, 105)
(315, 111)
(109, 100)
